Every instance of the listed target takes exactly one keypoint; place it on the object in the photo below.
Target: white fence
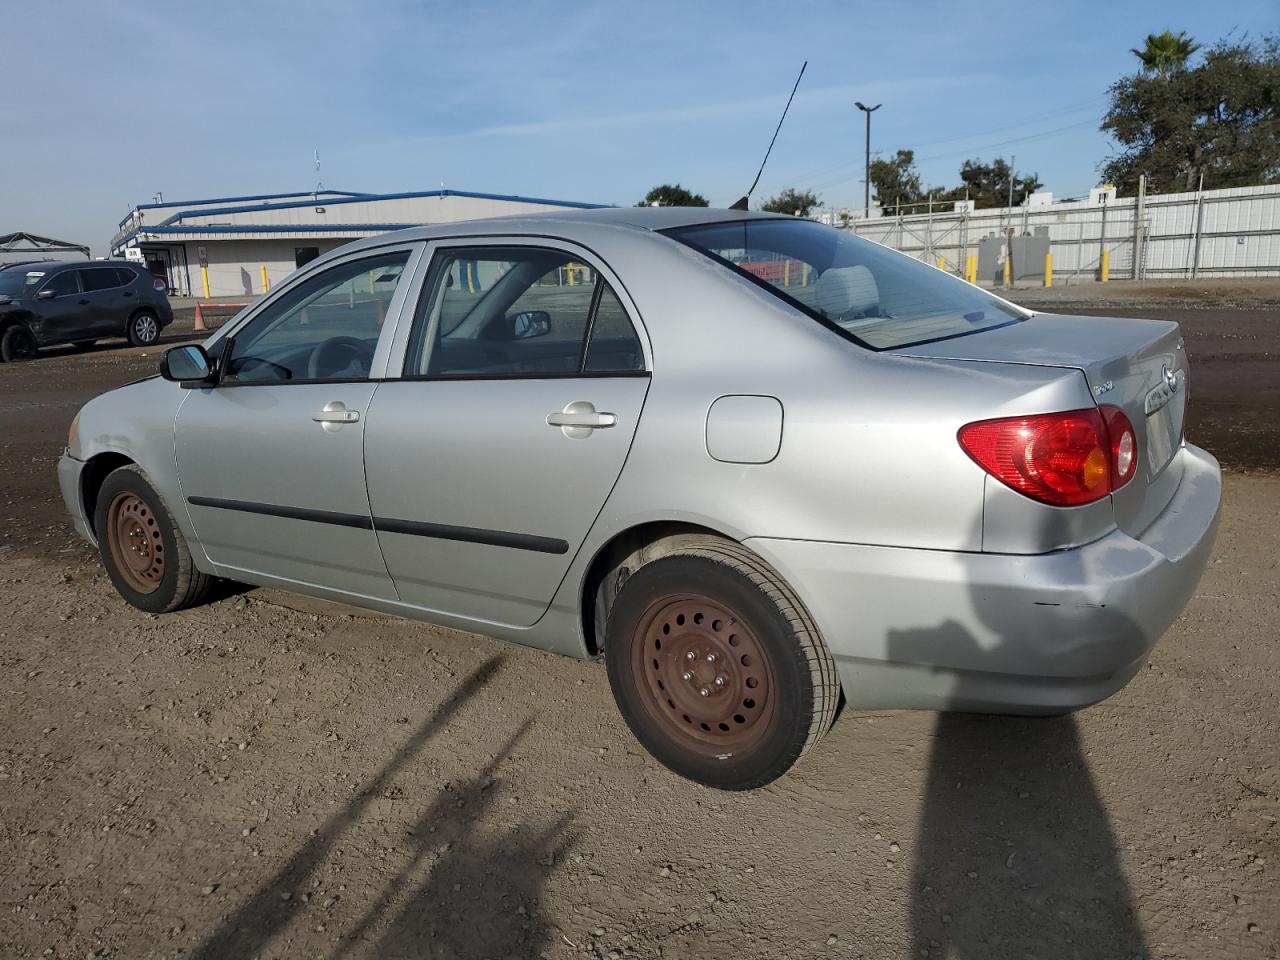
(1214, 233)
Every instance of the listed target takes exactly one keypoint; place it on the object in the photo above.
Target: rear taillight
(158, 284)
(1065, 459)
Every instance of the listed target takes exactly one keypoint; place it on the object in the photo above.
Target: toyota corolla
(755, 464)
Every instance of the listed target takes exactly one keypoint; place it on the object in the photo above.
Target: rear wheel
(142, 548)
(717, 668)
(144, 329)
(17, 343)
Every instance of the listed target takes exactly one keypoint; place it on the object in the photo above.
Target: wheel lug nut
(711, 658)
(691, 655)
(686, 675)
(703, 691)
(720, 681)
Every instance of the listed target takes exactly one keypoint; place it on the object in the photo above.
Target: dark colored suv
(47, 303)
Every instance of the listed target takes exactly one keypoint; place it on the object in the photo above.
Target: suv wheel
(17, 343)
(716, 666)
(144, 329)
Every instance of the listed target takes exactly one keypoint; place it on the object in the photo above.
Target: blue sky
(589, 101)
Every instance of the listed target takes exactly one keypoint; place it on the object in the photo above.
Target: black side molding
(289, 513)
(413, 528)
(494, 538)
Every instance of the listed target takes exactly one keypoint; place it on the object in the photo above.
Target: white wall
(234, 265)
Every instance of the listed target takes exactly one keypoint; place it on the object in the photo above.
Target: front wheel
(144, 329)
(143, 550)
(17, 343)
(717, 668)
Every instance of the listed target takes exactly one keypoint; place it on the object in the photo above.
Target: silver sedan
(755, 464)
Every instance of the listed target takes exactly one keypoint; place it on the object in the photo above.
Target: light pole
(866, 194)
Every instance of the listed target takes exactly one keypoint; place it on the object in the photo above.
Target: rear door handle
(334, 415)
(579, 418)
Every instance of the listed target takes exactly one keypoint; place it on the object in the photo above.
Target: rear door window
(100, 278)
(503, 311)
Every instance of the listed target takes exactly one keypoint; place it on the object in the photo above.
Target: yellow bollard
(569, 267)
(1104, 271)
(786, 273)
(942, 263)
(971, 268)
(266, 284)
(1048, 269)
(204, 278)
(804, 274)
(1008, 273)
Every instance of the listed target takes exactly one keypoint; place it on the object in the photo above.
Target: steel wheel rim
(145, 327)
(687, 644)
(133, 536)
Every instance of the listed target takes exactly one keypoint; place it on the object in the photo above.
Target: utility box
(1028, 257)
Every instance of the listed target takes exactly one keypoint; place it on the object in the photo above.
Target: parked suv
(42, 304)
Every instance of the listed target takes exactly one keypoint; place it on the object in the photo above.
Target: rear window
(862, 290)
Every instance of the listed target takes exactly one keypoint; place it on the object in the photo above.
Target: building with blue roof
(234, 246)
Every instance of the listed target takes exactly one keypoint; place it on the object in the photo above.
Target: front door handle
(334, 415)
(579, 418)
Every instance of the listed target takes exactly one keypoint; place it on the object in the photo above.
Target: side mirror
(529, 324)
(46, 295)
(186, 364)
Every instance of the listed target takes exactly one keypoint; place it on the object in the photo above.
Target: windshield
(14, 280)
(871, 294)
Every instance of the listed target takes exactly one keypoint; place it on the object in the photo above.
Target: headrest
(844, 293)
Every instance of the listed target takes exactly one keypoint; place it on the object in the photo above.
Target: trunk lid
(1137, 365)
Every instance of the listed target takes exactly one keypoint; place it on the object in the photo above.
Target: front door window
(324, 329)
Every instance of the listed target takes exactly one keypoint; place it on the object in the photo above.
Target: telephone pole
(866, 193)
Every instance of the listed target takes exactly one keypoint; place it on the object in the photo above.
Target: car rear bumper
(69, 471)
(1000, 632)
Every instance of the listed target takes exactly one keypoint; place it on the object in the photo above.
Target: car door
(108, 309)
(489, 459)
(271, 458)
(64, 312)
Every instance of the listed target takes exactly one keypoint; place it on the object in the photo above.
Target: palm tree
(1166, 53)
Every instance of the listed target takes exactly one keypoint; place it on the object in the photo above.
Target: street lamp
(866, 195)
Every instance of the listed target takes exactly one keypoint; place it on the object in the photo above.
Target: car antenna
(741, 204)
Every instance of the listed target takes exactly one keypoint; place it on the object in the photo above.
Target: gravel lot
(269, 776)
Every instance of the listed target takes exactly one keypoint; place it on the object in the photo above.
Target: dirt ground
(268, 776)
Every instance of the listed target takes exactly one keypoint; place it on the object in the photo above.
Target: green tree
(896, 182)
(1166, 53)
(791, 200)
(672, 195)
(987, 184)
(1220, 118)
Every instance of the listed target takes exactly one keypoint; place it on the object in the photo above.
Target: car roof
(644, 219)
(48, 265)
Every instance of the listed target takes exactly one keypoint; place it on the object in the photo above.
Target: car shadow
(469, 877)
(1015, 853)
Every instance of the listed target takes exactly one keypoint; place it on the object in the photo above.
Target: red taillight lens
(1065, 459)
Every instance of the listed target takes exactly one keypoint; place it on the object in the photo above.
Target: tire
(716, 666)
(17, 343)
(83, 344)
(143, 550)
(144, 329)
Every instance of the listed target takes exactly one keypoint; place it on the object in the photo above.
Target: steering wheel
(339, 355)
